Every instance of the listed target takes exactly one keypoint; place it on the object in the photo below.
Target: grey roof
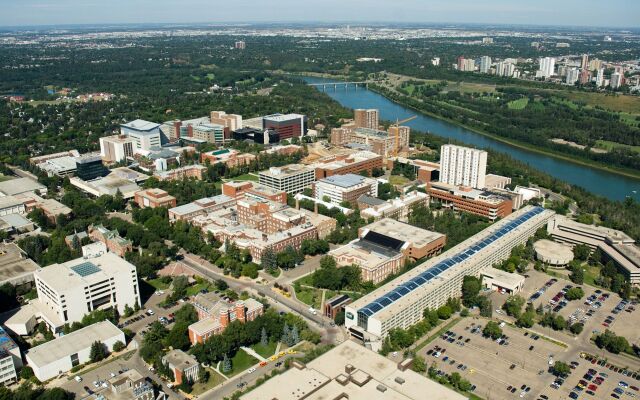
(345, 181)
(186, 208)
(16, 220)
(372, 201)
(20, 185)
(74, 342)
(141, 125)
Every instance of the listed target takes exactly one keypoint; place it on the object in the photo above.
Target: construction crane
(397, 126)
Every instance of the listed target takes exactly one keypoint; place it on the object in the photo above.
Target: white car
(250, 370)
(150, 312)
(96, 384)
(78, 379)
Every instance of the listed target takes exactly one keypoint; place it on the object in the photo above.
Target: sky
(609, 13)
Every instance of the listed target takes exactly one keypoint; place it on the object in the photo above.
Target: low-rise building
(335, 305)
(240, 189)
(351, 371)
(16, 268)
(13, 187)
(11, 205)
(215, 316)
(60, 355)
(287, 125)
(354, 163)
(10, 359)
(202, 206)
(502, 281)
(229, 157)
(111, 238)
(291, 178)
(184, 366)
(345, 188)
(493, 181)
(154, 198)
(426, 171)
(479, 202)
(130, 385)
(123, 180)
(186, 172)
(398, 208)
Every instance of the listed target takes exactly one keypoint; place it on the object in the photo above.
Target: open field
(214, 380)
(241, 362)
(628, 104)
(607, 145)
(246, 177)
(265, 351)
(518, 104)
(469, 87)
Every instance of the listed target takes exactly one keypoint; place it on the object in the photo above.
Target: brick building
(479, 202)
(287, 126)
(111, 238)
(348, 164)
(237, 189)
(229, 157)
(154, 198)
(214, 317)
(188, 171)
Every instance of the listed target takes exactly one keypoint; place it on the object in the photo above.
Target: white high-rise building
(547, 67)
(616, 80)
(145, 134)
(116, 148)
(485, 64)
(600, 77)
(463, 166)
(572, 76)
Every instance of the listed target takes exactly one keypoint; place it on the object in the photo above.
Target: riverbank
(521, 145)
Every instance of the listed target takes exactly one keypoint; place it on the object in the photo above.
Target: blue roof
(442, 266)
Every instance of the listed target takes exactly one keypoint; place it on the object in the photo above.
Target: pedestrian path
(253, 353)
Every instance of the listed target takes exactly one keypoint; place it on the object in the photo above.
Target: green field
(214, 380)
(398, 180)
(469, 87)
(309, 296)
(241, 362)
(246, 177)
(519, 104)
(607, 145)
(628, 104)
(158, 284)
(192, 290)
(265, 351)
(5, 178)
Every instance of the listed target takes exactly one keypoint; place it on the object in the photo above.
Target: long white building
(401, 302)
(68, 291)
(463, 166)
(145, 134)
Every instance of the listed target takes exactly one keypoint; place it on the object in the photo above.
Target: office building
(345, 188)
(398, 208)
(69, 291)
(488, 204)
(40, 159)
(60, 355)
(215, 316)
(374, 140)
(335, 305)
(493, 181)
(89, 168)
(485, 64)
(463, 166)
(615, 245)
(547, 67)
(366, 118)
(502, 281)
(188, 171)
(184, 366)
(351, 371)
(10, 359)
(123, 180)
(435, 61)
(383, 248)
(59, 166)
(466, 64)
(287, 126)
(145, 134)
(595, 64)
(292, 178)
(116, 148)
(401, 302)
(600, 78)
(260, 136)
(240, 45)
(230, 122)
(572, 77)
(426, 171)
(16, 268)
(153, 198)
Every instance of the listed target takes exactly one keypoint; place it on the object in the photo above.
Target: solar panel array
(85, 269)
(420, 280)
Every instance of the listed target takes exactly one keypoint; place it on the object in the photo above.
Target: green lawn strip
(195, 289)
(438, 334)
(241, 362)
(158, 284)
(265, 351)
(246, 177)
(214, 380)
(519, 104)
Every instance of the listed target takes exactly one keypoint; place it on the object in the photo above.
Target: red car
(605, 324)
(593, 387)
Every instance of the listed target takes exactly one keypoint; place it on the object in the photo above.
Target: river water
(607, 184)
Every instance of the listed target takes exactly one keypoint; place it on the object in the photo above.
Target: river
(604, 183)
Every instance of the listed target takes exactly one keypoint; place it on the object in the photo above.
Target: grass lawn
(265, 351)
(607, 145)
(469, 87)
(192, 290)
(629, 104)
(591, 272)
(214, 380)
(158, 284)
(246, 177)
(519, 104)
(310, 296)
(5, 178)
(241, 362)
(398, 180)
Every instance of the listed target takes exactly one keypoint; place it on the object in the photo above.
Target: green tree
(574, 293)
(264, 338)
(419, 364)
(471, 287)
(444, 312)
(577, 275)
(118, 346)
(492, 330)
(513, 305)
(98, 352)
(128, 311)
(561, 369)
(581, 252)
(226, 364)
(576, 328)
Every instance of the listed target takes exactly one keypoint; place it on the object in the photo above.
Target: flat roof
(10, 202)
(141, 125)
(418, 237)
(180, 360)
(83, 272)
(14, 263)
(403, 291)
(344, 181)
(20, 185)
(509, 280)
(552, 250)
(74, 342)
(286, 170)
(6, 343)
(363, 372)
(282, 117)
(16, 220)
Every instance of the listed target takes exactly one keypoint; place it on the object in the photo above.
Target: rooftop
(284, 171)
(344, 181)
(469, 193)
(82, 272)
(141, 125)
(20, 185)
(14, 263)
(74, 342)
(509, 279)
(354, 372)
(16, 221)
(371, 201)
(6, 343)
(282, 117)
(407, 233)
(180, 360)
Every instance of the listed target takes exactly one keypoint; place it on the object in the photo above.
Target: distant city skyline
(619, 13)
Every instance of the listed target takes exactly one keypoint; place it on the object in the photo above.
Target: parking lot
(516, 368)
